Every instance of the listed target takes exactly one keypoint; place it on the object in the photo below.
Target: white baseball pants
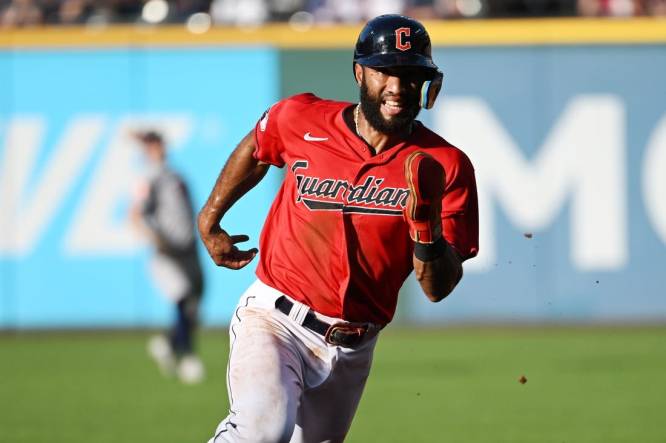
(285, 383)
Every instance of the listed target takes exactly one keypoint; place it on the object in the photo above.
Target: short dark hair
(151, 137)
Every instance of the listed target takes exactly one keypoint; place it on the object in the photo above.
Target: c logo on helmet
(401, 43)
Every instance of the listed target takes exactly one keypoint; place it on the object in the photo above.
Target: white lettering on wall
(654, 179)
(26, 210)
(582, 158)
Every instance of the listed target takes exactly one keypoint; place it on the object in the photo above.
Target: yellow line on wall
(443, 33)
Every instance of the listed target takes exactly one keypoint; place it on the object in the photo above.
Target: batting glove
(425, 178)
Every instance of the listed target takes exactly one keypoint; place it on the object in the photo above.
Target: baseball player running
(370, 194)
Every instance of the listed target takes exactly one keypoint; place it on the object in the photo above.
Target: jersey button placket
(364, 150)
(348, 227)
(347, 234)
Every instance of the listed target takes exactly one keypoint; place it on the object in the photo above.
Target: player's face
(390, 97)
(155, 152)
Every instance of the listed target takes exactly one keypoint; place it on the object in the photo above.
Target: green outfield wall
(327, 73)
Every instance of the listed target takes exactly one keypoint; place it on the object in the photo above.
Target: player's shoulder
(441, 149)
(310, 102)
(169, 177)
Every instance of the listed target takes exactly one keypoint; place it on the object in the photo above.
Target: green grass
(452, 385)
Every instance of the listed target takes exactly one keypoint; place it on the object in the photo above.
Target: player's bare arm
(440, 276)
(240, 174)
(137, 218)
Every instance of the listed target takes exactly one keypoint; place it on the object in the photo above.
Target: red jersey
(335, 238)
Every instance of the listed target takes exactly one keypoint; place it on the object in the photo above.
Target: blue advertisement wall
(569, 147)
(568, 143)
(68, 167)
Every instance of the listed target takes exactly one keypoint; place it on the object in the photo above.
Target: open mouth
(392, 107)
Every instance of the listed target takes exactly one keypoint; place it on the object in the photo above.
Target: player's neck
(379, 141)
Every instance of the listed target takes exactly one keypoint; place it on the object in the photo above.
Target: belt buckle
(347, 335)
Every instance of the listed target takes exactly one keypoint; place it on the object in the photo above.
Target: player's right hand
(223, 250)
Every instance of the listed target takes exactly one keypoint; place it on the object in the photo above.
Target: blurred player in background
(369, 196)
(163, 213)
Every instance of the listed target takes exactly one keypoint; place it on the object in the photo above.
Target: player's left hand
(425, 178)
(223, 250)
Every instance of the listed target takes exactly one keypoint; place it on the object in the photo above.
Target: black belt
(347, 335)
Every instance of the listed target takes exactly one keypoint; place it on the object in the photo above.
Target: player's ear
(358, 73)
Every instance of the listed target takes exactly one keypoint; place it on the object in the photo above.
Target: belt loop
(298, 312)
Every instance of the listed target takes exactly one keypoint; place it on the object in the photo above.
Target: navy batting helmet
(395, 40)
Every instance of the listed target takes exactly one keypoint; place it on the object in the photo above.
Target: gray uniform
(169, 214)
(175, 265)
